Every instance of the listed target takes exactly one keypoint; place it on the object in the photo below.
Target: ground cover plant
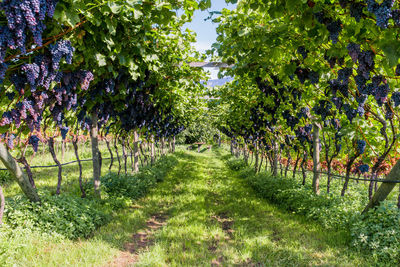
(96, 97)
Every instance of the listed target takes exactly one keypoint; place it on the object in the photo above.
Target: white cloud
(213, 72)
(202, 46)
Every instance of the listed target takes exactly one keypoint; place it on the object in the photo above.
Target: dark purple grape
(34, 141)
(396, 98)
(10, 141)
(354, 51)
(396, 17)
(364, 168)
(64, 130)
(350, 112)
(338, 102)
(6, 118)
(313, 76)
(361, 144)
(334, 29)
(382, 11)
(381, 94)
(302, 51)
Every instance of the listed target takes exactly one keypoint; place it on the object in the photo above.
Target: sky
(206, 30)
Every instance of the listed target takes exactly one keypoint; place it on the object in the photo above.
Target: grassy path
(201, 215)
(214, 219)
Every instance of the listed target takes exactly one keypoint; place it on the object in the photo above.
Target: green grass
(213, 217)
(204, 197)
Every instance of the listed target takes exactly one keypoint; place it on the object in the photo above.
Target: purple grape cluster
(59, 50)
(303, 134)
(361, 100)
(9, 139)
(322, 18)
(62, 97)
(313, 76)
(388, 112)
(34, 142)
(85, 77)
(354, 51)
(45, 68)
(361, 144)
(334, 29)
(304, 113)
(291, 121)
(396, 98)
(382, 11)
(366, 63)
(306, 74)
(23, 16)
(64, 131)
(396, 17)
(338, 102)
(350, 112)
(3, 70)
(381, 93)
(364, 168)
(360, 82)
(302, 51)
(341, 84)
(322, 108)
(6, 119)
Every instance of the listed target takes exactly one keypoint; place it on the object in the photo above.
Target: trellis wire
(64, 164)
(337, 176)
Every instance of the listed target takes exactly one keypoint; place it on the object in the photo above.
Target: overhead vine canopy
(105, 66)
(300, 66)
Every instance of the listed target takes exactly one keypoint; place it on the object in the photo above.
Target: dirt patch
(140, 241)
(214, 244)
(217, 262)
(226, 223)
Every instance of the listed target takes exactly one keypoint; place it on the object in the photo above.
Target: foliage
(72, 217)
(214, 216)
(199, 130)
(236, 164)
(5, 177)
(300, 64)
(68, 216)
(378, 231)
(137, 185)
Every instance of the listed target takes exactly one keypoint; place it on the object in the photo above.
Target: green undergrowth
(213, 217)
(376, 233)
(216, 219)
(65, 222)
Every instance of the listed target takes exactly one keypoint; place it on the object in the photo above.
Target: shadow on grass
(215, 218)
